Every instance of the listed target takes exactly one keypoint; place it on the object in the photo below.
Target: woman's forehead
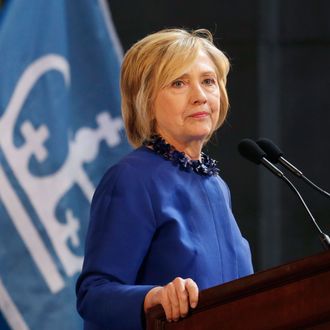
(179, 68)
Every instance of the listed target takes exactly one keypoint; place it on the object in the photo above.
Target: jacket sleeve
(121, 228)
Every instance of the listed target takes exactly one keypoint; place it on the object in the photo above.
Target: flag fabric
(60, 129)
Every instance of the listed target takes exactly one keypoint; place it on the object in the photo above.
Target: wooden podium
(292, 296)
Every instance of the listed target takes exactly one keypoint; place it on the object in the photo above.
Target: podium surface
(292, 296)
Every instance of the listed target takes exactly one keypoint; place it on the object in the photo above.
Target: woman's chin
(201, 133)
(200, 136)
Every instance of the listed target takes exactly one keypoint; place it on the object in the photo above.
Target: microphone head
(272, 151)
(250, 150)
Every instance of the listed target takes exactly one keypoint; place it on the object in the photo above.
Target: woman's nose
(198, 95)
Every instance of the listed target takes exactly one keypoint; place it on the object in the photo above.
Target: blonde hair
(152, 63)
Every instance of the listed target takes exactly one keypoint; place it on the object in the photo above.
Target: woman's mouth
(200, 114)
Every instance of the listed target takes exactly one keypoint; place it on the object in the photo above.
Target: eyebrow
(206, 73)
(209, 73)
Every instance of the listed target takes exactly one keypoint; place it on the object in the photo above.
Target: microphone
(250, 150)
(275, 155)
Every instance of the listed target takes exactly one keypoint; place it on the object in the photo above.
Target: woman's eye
(209, 81)
(177, 83)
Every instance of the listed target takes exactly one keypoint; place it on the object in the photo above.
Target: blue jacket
(151, 222)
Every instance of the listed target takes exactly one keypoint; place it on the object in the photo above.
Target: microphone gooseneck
(275, 155)
(251, 150)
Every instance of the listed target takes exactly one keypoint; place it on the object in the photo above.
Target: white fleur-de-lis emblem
(45, 192)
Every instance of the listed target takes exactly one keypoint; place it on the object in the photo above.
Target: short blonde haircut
(155, 61)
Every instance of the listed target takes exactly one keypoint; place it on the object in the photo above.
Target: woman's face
(187, 109)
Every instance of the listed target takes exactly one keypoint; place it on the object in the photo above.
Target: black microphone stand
(253, 152)
(300, 174)
(323, 237)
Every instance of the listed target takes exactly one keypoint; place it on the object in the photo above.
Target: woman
(161, 225)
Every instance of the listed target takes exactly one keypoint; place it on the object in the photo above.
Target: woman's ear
(153, 125)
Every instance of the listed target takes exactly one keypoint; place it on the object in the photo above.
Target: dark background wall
(279, 88)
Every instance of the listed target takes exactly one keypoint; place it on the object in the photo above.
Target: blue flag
(60, 129)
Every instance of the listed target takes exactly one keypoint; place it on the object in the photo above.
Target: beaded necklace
(206, 167)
